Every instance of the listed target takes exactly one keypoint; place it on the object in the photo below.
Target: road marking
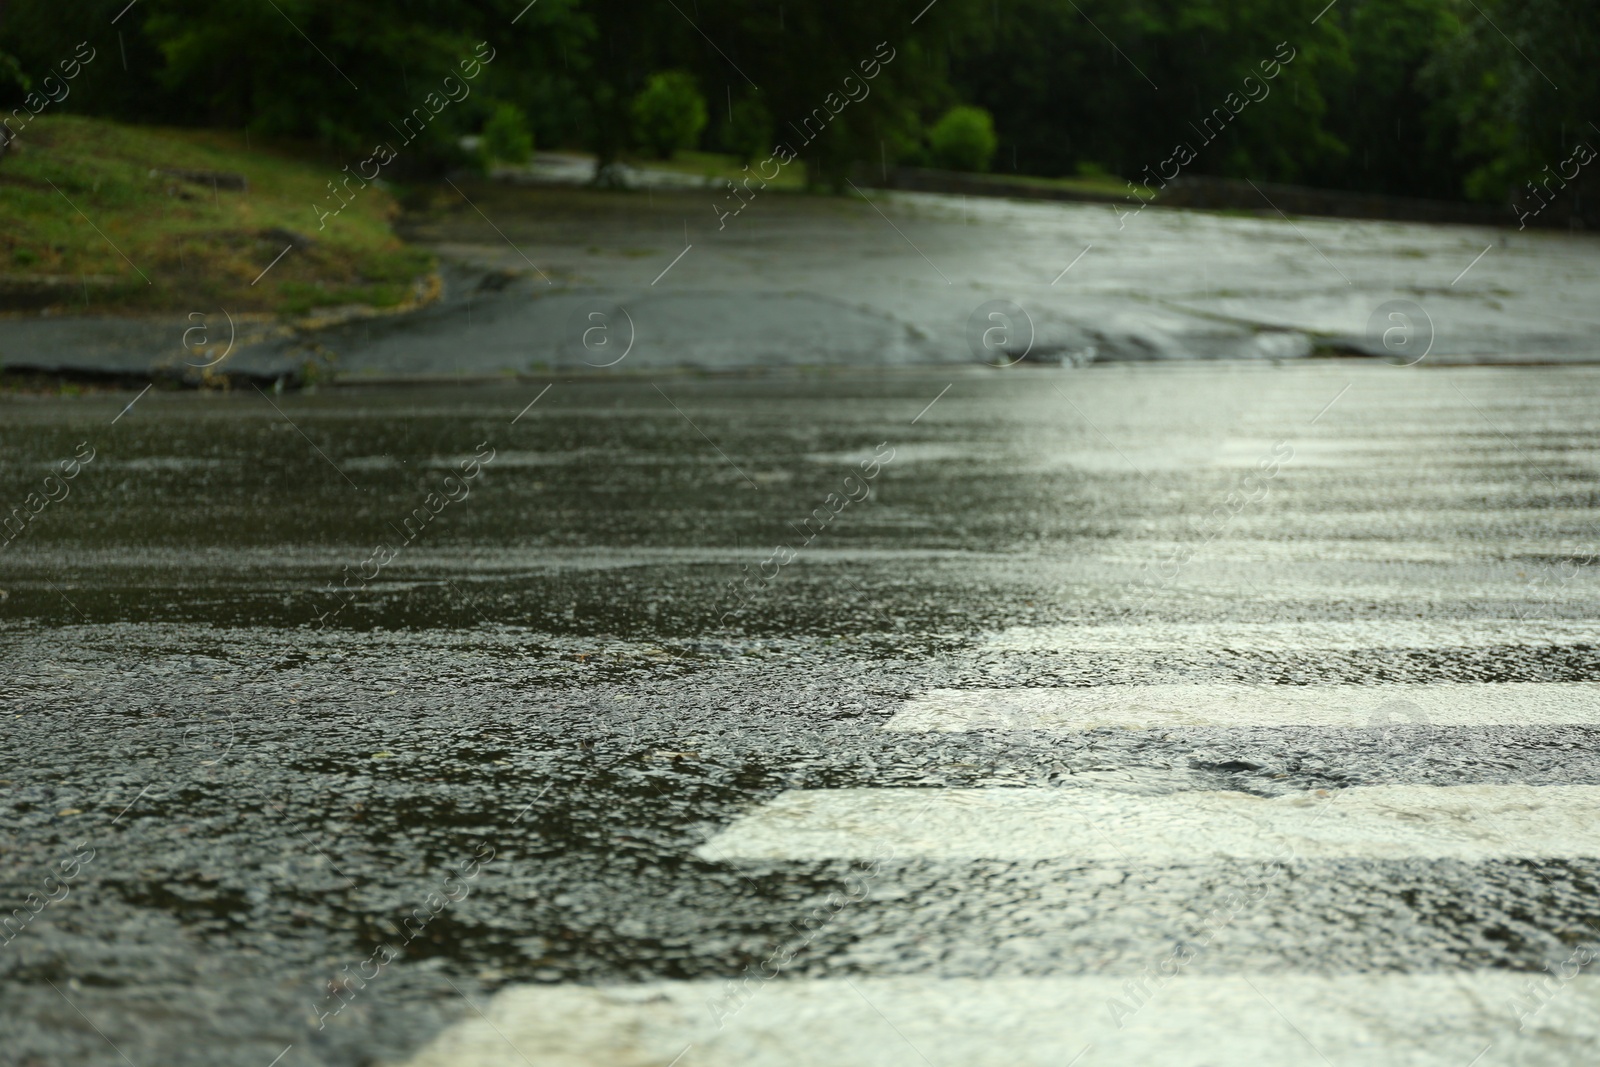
(1155, 707)
(1377, 1020)
(1280, 637)
(1511, 592)
(1464, 822)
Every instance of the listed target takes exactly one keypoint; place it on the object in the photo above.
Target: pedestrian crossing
(1467, 822)
(1181, 1001)
(1278, 637)
(1380, 852)
(1156, 707)
(1184, 1021)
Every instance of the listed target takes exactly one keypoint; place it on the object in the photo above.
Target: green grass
(1106, 186)
(717, 166)
(165, 244)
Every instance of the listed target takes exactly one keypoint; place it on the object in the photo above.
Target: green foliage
(346, 97)
(341, 71)
(48, 39)
(506, 137)
(1422, 97)
(12, 80)
(669, 113)
(1500, 76)
(846, 82)
(1176, 62)
(11, 74)
(963, 139)
(749, 131)
(345, 73)
(1400, 135)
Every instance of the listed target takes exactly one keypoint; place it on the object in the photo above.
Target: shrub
(506, 136)
(749, 134)
(669, 113)
(964, 139)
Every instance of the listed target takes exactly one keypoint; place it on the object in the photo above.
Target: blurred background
(204, 141)
(1418, 98)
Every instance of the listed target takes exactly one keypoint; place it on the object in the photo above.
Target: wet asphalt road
(501, 743)
(560, 281)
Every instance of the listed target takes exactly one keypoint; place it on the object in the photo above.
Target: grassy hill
(93, 217)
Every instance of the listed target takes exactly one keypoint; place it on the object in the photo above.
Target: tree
(345, 73)
(1402, 138)
(506, 137)
(963, 139)
(11, 80)
(1524, 139)
(748, 134)
(361, 69)
(624, 41)
(1122, 83)
(46, 43)
(845, 82)
(669, 113)
(1399, 96)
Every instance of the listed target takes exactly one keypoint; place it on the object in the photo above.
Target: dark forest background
(1449, 99)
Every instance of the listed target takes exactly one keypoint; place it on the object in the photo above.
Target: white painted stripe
(1311, 513)
(1193, 1020)
(1396, 456)
(1465, 822)
(1154, 707)
(1202, 577)
(1272, 636)
(1234, 546)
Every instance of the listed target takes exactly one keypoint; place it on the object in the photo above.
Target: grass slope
(84, 199)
